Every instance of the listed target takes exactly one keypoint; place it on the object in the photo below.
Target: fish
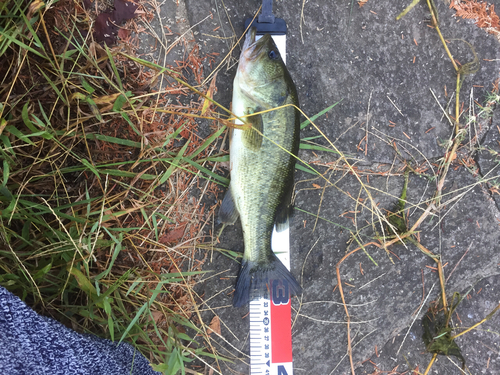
(262, 162)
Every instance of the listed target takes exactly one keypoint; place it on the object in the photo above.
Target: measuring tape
(271, 315)
(270, 321)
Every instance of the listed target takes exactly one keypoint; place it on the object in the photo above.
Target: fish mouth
(252, 48)
(249, 39)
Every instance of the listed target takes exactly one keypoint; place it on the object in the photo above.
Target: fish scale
(260, 179)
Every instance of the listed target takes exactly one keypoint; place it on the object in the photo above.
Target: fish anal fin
(228, 214)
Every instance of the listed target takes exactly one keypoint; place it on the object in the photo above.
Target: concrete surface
(384, 71)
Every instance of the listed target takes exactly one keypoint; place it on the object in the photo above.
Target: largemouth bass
(261, 163)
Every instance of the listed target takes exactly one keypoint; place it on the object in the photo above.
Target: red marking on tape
(281, 322)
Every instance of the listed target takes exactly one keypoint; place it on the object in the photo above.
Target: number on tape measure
(280, 293)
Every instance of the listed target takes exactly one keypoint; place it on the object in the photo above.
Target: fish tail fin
(256, 277)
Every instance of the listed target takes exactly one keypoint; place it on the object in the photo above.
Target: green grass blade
(26, 119)
(125, 116)
(223, 180)
(305, 168)
(173, 165)
(6, 171)
(21, 44)
(19, 134)
(311, 138)
(119, 102)
(54, 87)
(307, 146)
(118, 173)
(93, 169)
(321, 113)
(109, 313)
(208, 141)
(113, 66)
(90, 90)
(116, 249)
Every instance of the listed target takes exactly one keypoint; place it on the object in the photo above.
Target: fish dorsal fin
(228, 214)
(252, 138)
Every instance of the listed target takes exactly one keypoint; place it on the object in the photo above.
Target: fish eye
(273, 55)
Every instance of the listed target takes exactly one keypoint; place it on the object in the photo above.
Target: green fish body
(262, 163)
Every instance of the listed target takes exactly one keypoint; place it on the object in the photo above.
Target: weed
(98, 225)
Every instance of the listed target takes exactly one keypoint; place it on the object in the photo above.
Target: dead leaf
(123, 34)
(87, 4)
(214, 325)
(106, 99)
(157, 316)
(105, 29)
(172, 235)
(483, 13)
(3, 124)
(210, 94)
(34, 7)
(450, 157)
(124, 10)
(106, 25)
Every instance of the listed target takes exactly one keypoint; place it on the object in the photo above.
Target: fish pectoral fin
(228, 214)
(252, 138)
(284, 211)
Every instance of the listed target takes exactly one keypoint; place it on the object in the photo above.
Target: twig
(327, 184)
(395, 106)
(408, 8)
(416, 316)
(434, 356)
(302, 20)
(437, 259)
(436, 25)
(367, 120)
(231, 50)
(456, 265)
(339, 283)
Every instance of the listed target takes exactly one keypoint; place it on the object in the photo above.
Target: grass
(98, 223)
